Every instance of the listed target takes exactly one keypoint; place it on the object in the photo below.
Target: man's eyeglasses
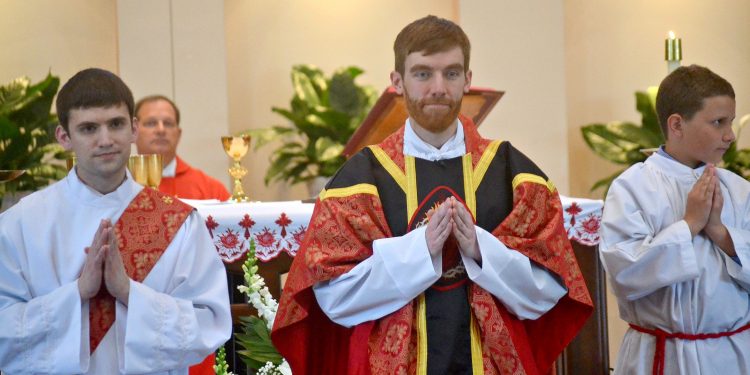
(168, 124)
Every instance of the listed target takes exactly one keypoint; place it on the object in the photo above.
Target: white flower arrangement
(271, 369)
(257, 293)
(259, 351)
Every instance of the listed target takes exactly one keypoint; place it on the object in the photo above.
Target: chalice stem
(237, 172)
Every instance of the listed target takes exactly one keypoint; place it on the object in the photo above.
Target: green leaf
(327, 149)
(256, 341)
(279, 163)
(265, 136)
(8, 130)
(612, 142)
(316, 77)
(646, 106)
(304, 89)
(249, 362)
(293, 117)
(352, 71)
(13, 95)
(344, 95)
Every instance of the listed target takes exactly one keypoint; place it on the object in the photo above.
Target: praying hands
(703, 210)
(451, 217)
(104, 263)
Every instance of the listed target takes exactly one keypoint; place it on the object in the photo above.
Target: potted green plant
(323, 114)
(626, 143)
(27, 139)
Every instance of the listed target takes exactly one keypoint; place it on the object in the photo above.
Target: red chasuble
(192, 183)
(380, 193)
(144, 231)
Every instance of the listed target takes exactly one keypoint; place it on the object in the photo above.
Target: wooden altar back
(389, 113)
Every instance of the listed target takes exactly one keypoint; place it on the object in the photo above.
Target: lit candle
(672, 52)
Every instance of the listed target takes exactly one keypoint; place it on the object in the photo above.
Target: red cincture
(661, 340)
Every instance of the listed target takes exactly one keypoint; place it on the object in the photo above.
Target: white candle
(672, 52)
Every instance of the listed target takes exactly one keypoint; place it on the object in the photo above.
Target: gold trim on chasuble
(408, 182)
(348, 191)
(528, 177)
(421, 335)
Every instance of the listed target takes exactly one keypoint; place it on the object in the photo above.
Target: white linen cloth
(177, 316)
(665, 279)
(392, 276)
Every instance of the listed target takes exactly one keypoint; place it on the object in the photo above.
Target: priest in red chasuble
(436, 251)
(159, 132)
(99, 275)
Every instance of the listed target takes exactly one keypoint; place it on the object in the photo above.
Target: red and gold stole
(143, 232)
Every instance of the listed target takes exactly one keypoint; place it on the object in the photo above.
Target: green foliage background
(322, 115)
(27, 140)
(623, 142)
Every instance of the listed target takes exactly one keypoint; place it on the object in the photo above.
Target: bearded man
(436, 251)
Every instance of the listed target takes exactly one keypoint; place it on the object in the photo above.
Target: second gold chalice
(236, 148)
(146, 169)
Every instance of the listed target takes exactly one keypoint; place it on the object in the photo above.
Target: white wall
(44, 36)
(518, 47)
(176, 48)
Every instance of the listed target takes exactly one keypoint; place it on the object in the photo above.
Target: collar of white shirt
(416, 147)
(170, 170)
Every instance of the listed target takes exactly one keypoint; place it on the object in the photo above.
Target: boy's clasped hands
(703, 210)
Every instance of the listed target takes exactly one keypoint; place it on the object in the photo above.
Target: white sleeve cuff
(399, 269)
(523, 287)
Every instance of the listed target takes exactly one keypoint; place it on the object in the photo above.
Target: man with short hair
(436, 251)
(159, 133)
(99, 275)
(676, 239)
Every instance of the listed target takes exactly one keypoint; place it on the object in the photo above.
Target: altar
(279, 227)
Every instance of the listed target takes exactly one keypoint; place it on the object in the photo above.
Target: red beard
(433, 121)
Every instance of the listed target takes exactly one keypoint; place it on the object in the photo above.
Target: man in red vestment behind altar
(159, 133)
(436, 251)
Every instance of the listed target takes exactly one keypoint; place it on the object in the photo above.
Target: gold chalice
(146, 169)
(236, 148)
(154, 169)
(70, 160)
(138, 168)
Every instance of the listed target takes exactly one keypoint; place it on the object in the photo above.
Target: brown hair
(430, 35)
(682, 92)
(153, 98)
(89, 88)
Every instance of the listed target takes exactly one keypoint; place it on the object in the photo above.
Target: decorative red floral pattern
(586, 230)
(269, 242)
(246, 223)
(342, 230)
(143, 232)
(211, 224)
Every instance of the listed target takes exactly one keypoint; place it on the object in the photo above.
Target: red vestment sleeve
(340, 236)
(535, 228)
